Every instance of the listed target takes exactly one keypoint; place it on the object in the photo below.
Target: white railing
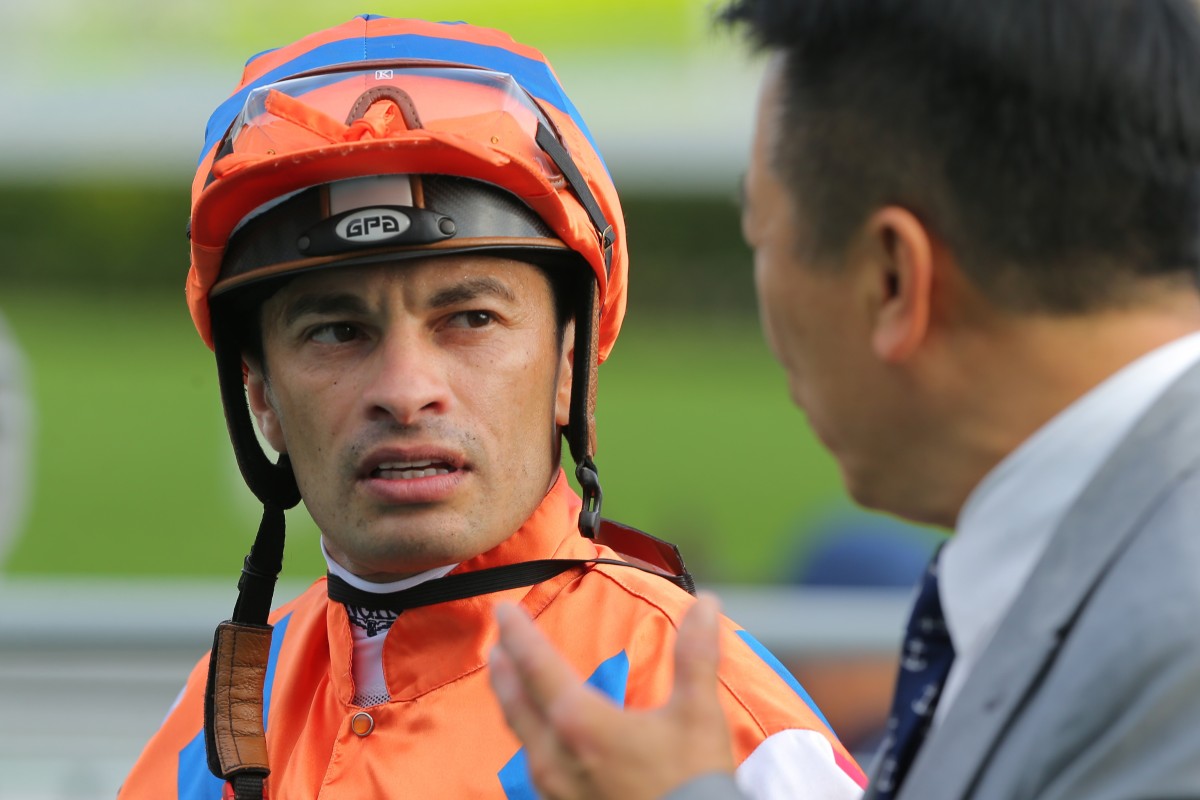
(88, 668)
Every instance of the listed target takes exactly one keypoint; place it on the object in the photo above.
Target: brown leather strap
(235, 737)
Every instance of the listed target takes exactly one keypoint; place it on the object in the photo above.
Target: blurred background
(123, 520)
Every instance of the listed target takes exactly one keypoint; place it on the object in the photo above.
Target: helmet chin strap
(581, 427)
(234, 728)
(272, 483)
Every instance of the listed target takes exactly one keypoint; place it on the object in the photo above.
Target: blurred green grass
(134, 475)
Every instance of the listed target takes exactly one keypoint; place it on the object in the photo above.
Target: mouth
(408, 476)
(411, 463)
(412, 470)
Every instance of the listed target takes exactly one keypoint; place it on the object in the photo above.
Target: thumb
(697, 656)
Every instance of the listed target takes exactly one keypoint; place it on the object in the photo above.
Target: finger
(519, 713)
(697, 656)
(694, 705)
(544, 675)
(549, 766)
(577, 716)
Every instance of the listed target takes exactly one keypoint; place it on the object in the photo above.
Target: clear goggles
(339, 107)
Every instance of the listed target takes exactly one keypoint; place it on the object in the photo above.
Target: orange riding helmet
(383, 139)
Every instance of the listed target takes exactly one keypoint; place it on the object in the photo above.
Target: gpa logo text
(369, 225)
(372, 224)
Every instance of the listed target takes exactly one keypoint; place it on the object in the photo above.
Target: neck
(1000, 381)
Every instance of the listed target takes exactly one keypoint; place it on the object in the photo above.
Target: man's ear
(905, 252)
(262, 405)
(566, 363)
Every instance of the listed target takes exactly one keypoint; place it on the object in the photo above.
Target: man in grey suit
(976, 230)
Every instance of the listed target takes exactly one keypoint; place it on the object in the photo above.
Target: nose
(406, 380)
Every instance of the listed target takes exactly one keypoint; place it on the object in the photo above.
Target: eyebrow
(469, 289)
(322, 305)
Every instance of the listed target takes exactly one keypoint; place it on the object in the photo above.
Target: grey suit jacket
(1090, 687)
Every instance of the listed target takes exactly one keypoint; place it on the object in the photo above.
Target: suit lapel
(1106, 516)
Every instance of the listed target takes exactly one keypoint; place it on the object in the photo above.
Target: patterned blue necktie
(924, 664)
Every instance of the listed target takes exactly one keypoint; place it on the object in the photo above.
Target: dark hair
(1053, 144)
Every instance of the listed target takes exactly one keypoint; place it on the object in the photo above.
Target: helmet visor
(339, 107)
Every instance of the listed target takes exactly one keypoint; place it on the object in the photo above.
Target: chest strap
(471, 584)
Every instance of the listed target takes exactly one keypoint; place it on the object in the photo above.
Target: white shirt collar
(381, 588)
(1010, 517)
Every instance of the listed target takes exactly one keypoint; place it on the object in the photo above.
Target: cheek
(762, 272)
(775, 310)
(308, 418)
(527, 403)
(504, 393)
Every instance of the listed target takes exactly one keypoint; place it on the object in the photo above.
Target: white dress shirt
(1010, 517)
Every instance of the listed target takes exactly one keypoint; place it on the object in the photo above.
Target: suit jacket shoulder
(1091, 684)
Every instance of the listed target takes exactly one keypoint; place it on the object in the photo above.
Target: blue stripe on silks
(535, 76)
(611, 678)
(193, 780)
(514, 778)
(272, 661)
(775, 664)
